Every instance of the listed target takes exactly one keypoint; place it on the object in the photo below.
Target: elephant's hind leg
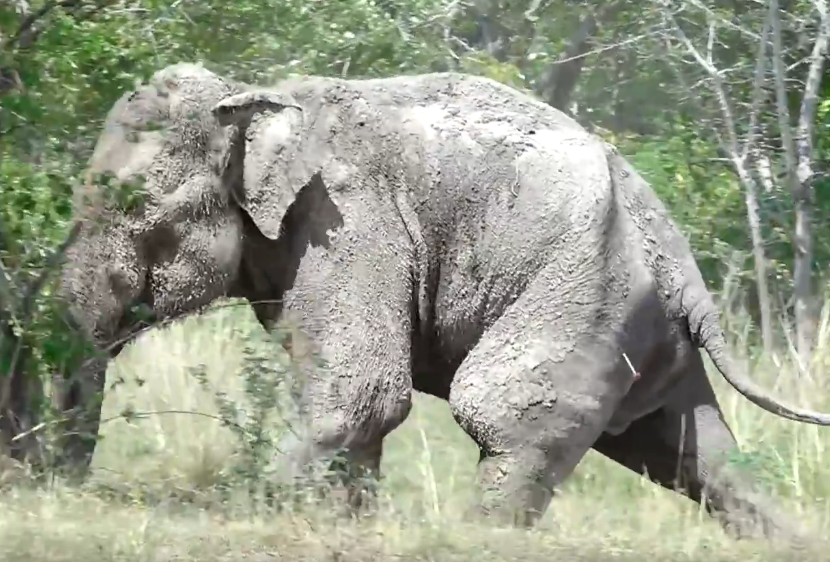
(685, 446)
(536, 402)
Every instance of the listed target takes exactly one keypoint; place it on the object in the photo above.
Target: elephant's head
(174, 243)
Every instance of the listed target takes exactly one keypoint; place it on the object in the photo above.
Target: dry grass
(167, 472)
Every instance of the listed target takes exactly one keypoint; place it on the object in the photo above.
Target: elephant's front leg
(79, 397)
(102, 279)
(685, 447)
(348, 307)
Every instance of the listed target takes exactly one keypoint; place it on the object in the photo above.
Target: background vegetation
(650, 77)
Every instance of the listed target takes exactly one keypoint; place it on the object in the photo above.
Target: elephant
(439, 232)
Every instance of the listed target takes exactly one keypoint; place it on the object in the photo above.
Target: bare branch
(536, 6)
(713, 16)
(722, 149)
(717, 84)
(8, 302)
(798, 157)
(739, 158)
(710, 44)
(757, 96)
(779, 76)
(764, 169)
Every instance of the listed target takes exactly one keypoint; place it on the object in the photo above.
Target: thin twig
(134, 415)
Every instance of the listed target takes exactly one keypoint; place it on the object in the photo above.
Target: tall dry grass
(167, 486)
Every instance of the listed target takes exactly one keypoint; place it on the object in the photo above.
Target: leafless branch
(536, 6)
(757, 96)
(798, 158)
(764, 169)
(782, 107)
(686, 87)
(718, 86)
(737, 156)
(604, 48)
(710, 43)
(8, 301)
(724, 22)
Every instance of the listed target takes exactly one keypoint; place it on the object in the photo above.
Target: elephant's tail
(704, 323)
(695, 300)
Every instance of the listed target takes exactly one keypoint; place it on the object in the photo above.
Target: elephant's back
(466, 93)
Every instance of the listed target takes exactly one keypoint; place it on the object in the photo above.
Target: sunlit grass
(166, 468)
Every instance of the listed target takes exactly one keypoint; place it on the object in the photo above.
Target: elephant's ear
(272, 169)
(240, 108)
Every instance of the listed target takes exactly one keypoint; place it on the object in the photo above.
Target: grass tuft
(182, 472)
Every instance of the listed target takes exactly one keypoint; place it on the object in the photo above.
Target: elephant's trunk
(704, 326)
(102, 277)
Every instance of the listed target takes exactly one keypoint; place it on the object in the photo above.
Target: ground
(177, 484)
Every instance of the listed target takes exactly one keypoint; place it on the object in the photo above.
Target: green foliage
(35, 207)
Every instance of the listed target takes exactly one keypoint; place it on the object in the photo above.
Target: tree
(793, 153)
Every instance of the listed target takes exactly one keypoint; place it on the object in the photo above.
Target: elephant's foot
(749, 515)
(745, 526)
(74, 459)
(80, 400)
(513, 489)
(76, 447)
(689, 438)
(346, 485)
(355, 477)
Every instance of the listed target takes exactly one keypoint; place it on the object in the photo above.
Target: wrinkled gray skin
(438, 232)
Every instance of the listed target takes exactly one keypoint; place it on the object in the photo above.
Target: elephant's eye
(133, 96)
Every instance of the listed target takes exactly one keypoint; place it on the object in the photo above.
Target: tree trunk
(559, 80)
(798, 153)
(754, 219)
(802, 281)
(802, 274)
